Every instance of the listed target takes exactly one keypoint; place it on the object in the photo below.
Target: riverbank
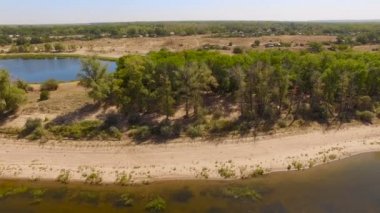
(55, 55)
(225, 159)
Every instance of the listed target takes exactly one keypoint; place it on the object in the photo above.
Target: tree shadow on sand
(76, 115)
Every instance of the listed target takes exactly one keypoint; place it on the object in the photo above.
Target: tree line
(204, 92)
(266, 88)
(21, 35)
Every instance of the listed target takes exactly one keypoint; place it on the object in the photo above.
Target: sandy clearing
(21, 159)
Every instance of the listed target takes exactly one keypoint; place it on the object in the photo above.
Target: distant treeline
(21, 35)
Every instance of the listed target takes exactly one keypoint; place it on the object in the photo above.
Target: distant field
(118, 47)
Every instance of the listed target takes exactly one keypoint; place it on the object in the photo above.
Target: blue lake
(39, 70)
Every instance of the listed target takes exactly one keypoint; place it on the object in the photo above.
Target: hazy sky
(85, 11)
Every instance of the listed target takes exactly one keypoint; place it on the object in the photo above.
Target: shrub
(37, 134)
(238, 50)
(365, 116)
(23, 85)
(364, 103)
(282, 123)
(81, 130)
(126, 199)
(30, 126)
(241, 193)
(226, 171)
(114, 132)
(50, 85)
(315, 47)
(156, 205)
(94, 178)
(11, 97)
(44, 95)
(195, 131)
(378, 112)
(168, 130)
(220, 126)
(63, 177)
(123, 179)
(140, 133)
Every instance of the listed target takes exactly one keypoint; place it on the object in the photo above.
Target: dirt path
(21, 159)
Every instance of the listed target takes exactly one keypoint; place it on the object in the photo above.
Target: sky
(91, 11)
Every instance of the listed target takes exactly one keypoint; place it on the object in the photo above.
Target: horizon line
(211, 20)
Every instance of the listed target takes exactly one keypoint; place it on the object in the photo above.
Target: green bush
(167, 130)
(30, 125)
(23, 85)
(76, 131)
(44, 95)
(364, 103)
(11, 97)
(378, 112)
(50, 85)
(156, 205)
(238, 50)
(37, 134)
(114, 132)
(140, 133)
(195, 131)
(220, 126)
(365, 116)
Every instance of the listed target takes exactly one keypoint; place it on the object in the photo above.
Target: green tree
(196, 78)
(11, 97)
(95, 77)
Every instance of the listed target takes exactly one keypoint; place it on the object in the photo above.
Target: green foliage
(378, 112)
(220, 126)
(64, 176)
(85, 130)
(94, 76)
(94, 178)
(242, 193)
(195, 131)
(58, 47)
(11, 191)
(126, 199)
(11, 97)
(315, 47)
(33, 129)
(49, 85)
(364, 103)
(23, 85)
(140, 133)
(238, 50)
(156, 205)
(44, 95)
(365, 116)
(123, 179)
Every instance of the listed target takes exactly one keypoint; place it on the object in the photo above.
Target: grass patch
(241, 193)
(158, 204)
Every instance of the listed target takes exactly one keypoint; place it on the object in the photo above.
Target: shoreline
(229, 160)
(55, 55)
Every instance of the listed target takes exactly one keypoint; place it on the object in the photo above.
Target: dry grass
(68, 98)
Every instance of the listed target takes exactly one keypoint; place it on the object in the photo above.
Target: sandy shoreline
(188, 160)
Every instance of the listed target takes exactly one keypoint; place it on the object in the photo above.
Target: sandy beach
(186, 160)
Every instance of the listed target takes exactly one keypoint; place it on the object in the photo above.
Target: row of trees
(48, 47)
(43, 34)
(267, 86)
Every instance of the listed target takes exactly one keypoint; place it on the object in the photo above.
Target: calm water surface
(39, 70)
(351, 185)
